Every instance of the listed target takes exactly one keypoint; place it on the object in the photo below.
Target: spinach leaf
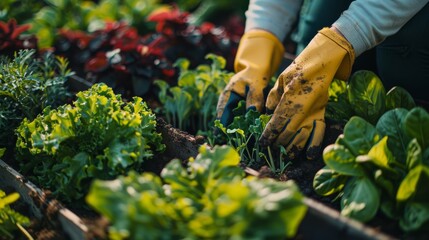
(361, 199)
(398, 97)
(327, 182)
(416, 125)
(359, 136)
(390, 124)
(367, 95)
(341, 160)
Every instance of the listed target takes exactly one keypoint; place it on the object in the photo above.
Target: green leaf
(367, 95)
(210, 199)
(380, 154)
(99, 136)
(414, 154)
(2, 151)
(415, 217)
(361, 199)
(341, 160)
(416, 125)
(390, 124)
(414, 185)
(398, 97)
(327, 182)
(359, 136)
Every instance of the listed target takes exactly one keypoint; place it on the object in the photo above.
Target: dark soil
(302, 171)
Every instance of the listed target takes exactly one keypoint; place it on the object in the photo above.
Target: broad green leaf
(341, 160)
(336, 89)
(361, 199)
(186, 79)
(367, 95)
(380, 154)
(359, 136)
(398, 97)
(416, 125)
(390, 124)
(327, 182)
(414, 154)
(414, 185)
(416, 216)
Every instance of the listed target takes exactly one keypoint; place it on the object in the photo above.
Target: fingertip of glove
(313, 151)
(270, 111)
(264, 142)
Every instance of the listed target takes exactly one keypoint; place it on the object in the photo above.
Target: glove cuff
(345, 68)
(259, 51)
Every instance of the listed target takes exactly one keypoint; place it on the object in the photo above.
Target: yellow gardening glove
(258, 57)
(300, 94)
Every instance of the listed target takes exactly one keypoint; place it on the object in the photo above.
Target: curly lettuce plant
(208, 199)
(10, 220)
(28, 84)
(383, 167)
(99, 136)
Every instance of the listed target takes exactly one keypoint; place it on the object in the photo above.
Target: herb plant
(27, 85)
(381, 167)
(10, 220)
(208, 199)
(99, 136)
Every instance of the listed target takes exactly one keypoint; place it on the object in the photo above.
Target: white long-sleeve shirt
(365, 24)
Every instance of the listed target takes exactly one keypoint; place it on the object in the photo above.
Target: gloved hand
(300, 94)
(258, 56)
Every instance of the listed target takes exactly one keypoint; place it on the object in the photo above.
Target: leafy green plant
(10, 220)
(88, 16)
(208, 199)
(243, 134)
(27, 85)
(21, 10)
(381, 167)
(365, 96)
(99, 136)
(191, 106)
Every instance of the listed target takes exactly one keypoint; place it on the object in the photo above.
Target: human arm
(259, 54)
(366, 23)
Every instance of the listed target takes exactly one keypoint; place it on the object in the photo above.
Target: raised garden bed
(319, 220)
